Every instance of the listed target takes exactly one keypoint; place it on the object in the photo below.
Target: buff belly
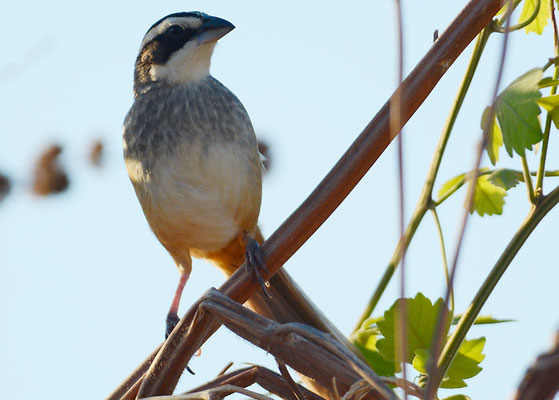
(199, 199)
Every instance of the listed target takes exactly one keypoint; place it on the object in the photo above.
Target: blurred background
(85, 285)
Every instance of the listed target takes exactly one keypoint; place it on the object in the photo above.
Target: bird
(191, 154)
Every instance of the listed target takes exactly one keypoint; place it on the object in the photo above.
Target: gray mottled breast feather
(200, 112)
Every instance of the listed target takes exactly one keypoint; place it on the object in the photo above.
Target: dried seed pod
(48, 176)
(96, 153)
(5, 186)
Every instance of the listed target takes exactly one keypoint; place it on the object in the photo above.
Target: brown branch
(216, 393)
(264, 377)
(289, 380)
(226, 368)
(310, 352)
(541, 381)
(124, 387)
(163, 375)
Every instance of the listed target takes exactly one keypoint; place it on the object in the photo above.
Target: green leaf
(482, 320)
(458, 397)
(494, 136)
(421, 360)
(541, 19)
(548, 82)
(365, 339)
(368, 348)
(506, 178)
(551, 105)
(488, 198)
(452, 184)
(421, 318)
(465, 365)
(517, 111)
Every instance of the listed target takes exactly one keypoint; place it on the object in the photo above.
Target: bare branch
(213, 394)
(541, 381)
(312, 353)
(267, 379)
(292, 385)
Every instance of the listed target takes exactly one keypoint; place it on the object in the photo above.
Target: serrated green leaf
(482, 320)
(517, 112)
(365, 339)
(452, 184)
(458, 397)
(421, 360)
(421, 319)
(548, 82)
(488, 198)
(494, 135)
(506, 178)
(465, 365)
(369, 350)
(551, 105)
(541, 19)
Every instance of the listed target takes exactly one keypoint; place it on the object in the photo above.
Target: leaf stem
(441, 199)
(496, 27)
(534, 217)
(443, 253)
(425, 201)
(545, 142)
(528, 180)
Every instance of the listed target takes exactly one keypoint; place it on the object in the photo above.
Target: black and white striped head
(178, 48)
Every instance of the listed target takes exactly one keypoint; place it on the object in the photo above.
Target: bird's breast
(195, 167)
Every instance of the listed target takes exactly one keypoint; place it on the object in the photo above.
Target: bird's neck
(183, 67)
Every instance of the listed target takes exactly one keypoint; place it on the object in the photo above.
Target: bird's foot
(255, 263)
(170, 323)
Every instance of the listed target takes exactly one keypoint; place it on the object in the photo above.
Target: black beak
(213, 29)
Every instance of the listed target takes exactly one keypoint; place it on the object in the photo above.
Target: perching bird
(192, 156)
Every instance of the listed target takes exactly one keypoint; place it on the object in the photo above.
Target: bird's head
(178, 48)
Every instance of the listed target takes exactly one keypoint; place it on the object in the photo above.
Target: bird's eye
(175, 30)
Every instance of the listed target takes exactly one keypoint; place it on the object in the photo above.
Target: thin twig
(226, 368)
(443, 253)
(395, 112)
(547, 129)
(528, 180)
(292, 385)
(212, 394)
(436, 371)
(265, 378)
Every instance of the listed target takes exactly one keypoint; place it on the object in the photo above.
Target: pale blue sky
(85, 285)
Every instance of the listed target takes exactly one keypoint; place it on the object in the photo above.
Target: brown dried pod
(48, 175)
(5, 186)
(96, 153)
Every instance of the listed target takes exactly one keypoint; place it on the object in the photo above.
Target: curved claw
(255, 263)
(170, 322)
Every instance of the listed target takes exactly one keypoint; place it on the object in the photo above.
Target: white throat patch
(191, 63)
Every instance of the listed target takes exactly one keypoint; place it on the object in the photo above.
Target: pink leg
(172, 316)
